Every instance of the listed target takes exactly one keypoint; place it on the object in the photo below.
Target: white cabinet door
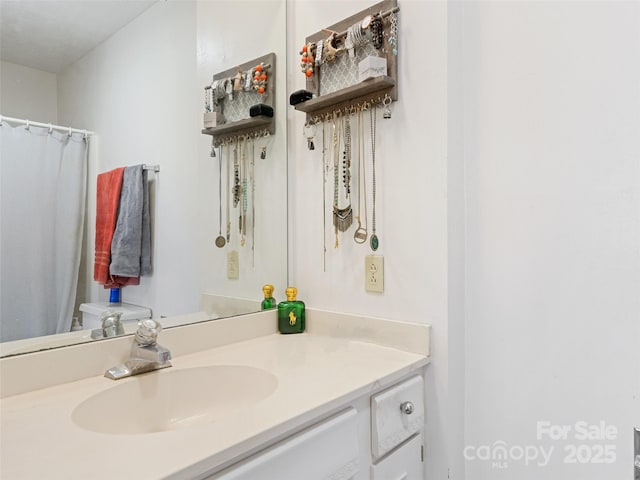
(396, 414)
(403, 464)
(328, 450)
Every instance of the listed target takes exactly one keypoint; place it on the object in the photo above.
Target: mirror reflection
(135, 95)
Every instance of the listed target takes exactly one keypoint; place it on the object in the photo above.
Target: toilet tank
(130, 313)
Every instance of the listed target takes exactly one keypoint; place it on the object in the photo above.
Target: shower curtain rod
(50, 126)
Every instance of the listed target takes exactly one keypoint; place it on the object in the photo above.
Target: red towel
(107, 201)
(118, 281)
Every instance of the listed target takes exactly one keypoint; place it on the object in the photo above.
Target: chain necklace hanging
(336, 193)
(346, 157)
(228, 197)
(360, 235)
(220, 241)
(245, 204)
(236, 176)
(374, 241)
(342, 217)
(253, 205)
(325, 172)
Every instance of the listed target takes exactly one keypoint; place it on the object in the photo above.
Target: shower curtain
(43, 182)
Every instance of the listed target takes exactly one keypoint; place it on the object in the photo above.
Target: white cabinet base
(403, 464)
(328, 450)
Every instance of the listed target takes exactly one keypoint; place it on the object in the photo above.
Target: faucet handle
(111, 324)
(147, 333)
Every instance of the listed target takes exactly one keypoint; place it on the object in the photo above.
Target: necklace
(360, 235)
(374, 242)
(245, 201)
(342, 217)
(346, 167)
(325, 172)
(253, 205)
(228, 197)
(220, 241)
(236, 176)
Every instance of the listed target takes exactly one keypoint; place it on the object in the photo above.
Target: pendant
(360, 236)
(375, 243)
(342, 218)
(220, 241)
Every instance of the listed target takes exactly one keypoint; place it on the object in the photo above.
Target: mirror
(139, 88)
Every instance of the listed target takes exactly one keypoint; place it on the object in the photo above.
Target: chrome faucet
(146, 354)
(111, 325)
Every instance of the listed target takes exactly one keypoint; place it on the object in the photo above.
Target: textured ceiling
(49, 35)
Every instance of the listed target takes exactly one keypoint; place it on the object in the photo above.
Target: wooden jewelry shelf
(372, 90)
(250, 125)
(359, 93)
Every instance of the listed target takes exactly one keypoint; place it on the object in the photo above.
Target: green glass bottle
(269, 302)
(291, 313)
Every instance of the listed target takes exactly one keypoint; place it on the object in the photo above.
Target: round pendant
(375, 243)
(366, 22)
(220, 241)
(360, 236)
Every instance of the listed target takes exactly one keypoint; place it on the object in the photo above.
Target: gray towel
(127, 243)
(145, 257)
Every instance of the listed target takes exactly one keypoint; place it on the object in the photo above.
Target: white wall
(27, 93)
(139, 91)
(509, 220)
(411, 199)
(552, 150)
(227, 37)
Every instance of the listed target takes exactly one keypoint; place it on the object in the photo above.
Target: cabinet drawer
(390, 424)
(328, 450)
(403, 464)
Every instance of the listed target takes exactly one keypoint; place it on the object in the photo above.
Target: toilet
(91, 313)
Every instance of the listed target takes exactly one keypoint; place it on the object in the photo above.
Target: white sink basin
(174, 399)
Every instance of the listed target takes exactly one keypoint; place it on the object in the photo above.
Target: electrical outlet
(233, 265)
(374, 273)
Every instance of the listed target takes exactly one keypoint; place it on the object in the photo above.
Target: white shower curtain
(43, 182)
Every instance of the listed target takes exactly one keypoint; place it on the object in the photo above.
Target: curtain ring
(28, 125)
(50, 129)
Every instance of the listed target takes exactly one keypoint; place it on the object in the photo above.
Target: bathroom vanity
(343, 400)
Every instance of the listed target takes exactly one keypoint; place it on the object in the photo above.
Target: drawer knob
(406, 407)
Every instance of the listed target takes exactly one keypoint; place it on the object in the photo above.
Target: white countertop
(317, 373)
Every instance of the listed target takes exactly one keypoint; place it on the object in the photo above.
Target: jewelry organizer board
(236, 111)
(335, 84)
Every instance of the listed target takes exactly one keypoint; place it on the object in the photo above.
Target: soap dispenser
(291, 313)
(268, 302)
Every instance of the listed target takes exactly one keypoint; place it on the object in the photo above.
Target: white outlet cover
(374, 273)
(233, 265)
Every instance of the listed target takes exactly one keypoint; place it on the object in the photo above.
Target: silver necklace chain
(374, 242)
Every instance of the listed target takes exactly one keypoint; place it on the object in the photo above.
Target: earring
(309, 131)
(386, 102)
